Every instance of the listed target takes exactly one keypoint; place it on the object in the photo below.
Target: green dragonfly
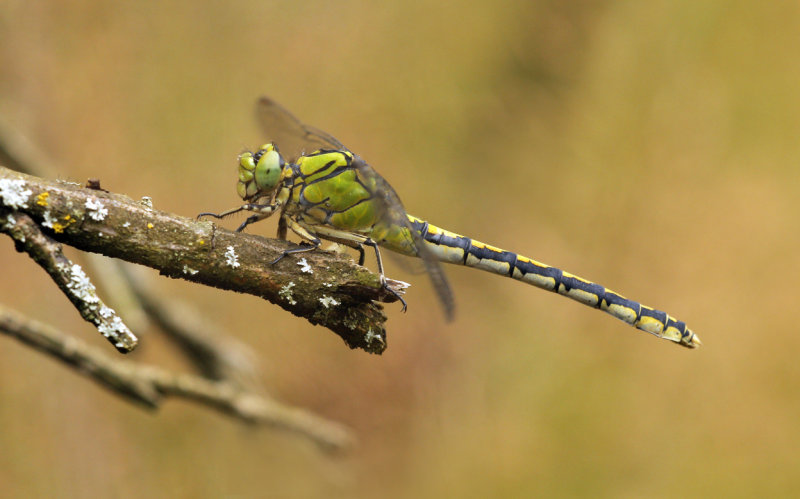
(324, 191)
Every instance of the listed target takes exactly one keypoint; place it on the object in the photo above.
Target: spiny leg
(374, 245)
(352, 240)
(352, 244)
(251, 219)
(303, 248)
(262, 211)
(222, 215)
(300, 231)
(356, 241)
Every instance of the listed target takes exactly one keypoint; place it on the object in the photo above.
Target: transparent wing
(292, 136)
(391, 211)
(408, 264)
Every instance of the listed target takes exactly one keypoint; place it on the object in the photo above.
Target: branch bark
(150, 385)
(325, 288)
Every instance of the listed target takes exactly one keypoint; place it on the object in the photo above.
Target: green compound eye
(259, 173)
(268, 169)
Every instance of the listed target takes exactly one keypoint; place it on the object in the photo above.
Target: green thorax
(327, 191)
(330, 188)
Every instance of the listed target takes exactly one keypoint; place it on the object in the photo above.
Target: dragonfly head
(259, 172)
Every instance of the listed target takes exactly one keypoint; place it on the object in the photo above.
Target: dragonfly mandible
(322, 190)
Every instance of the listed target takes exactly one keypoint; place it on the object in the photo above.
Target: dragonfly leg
(312, 244)
(355, 245)
(358, 242)
(261, 211)
(221, 215)
(249, 220)
(282, 228)
(361, 254)
(374, 245)
(300, 249)
(355, 242)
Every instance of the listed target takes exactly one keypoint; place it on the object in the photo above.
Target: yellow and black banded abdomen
(454, 248)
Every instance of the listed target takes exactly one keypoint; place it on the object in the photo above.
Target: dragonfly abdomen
(454, 248)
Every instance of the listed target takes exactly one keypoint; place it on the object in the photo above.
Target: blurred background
(649, 146)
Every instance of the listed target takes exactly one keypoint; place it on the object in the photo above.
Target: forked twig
(150, 385)
(68, 276)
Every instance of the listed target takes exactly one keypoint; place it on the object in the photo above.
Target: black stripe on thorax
(336, 171)
(331, 212)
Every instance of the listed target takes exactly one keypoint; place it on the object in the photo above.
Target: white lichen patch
(14, 193)
(80, 284)
(113, 329)
(106, 312)
(96, 210)
(328, 301)
(9, 222)
(371, 337)
(188, 270)
(48, 219)
(110, 325)
(286, 293)
(147, 202)
(231, 258)
(305, 267)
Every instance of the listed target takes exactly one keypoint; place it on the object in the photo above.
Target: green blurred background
(650, 146)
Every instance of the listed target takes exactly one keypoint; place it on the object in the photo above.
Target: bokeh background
(650, 146)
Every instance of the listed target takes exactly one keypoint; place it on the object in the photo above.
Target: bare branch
(150, 385)
(325, 288)
(215, 354)
(69, 278)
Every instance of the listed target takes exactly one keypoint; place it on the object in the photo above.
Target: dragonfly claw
(396, 289)
(201, 215)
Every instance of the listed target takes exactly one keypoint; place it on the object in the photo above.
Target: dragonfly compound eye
(268, 168)
(259, 173)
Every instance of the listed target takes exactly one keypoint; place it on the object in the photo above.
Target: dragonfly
(324, 191)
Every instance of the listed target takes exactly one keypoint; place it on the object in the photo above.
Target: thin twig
(216, 355)
(150, 385)
(325, 288)
(69, 278)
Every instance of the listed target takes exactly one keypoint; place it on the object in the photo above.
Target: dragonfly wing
(292, 137)
(391, 211)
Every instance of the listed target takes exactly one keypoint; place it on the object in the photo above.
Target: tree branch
(325, 288)
(69, 278)
(149, 385)
(214, 354)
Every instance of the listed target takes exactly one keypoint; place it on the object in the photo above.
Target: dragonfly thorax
(259, 172)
